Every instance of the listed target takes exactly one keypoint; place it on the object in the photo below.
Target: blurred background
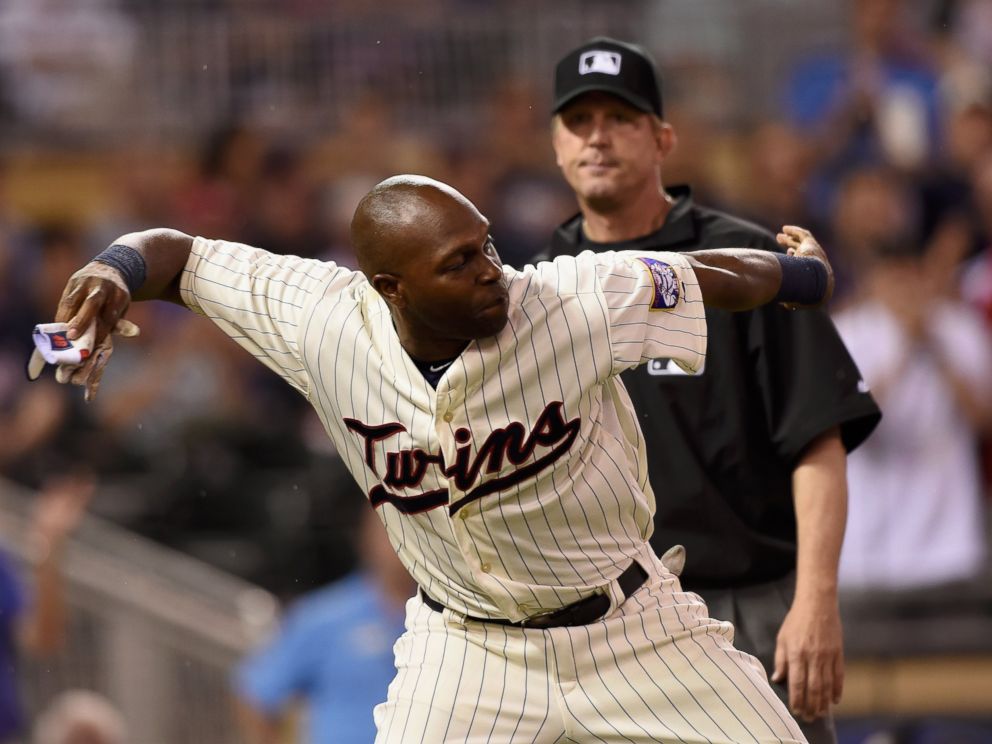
(212, 496)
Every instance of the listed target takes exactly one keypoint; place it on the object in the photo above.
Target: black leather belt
(585, 611)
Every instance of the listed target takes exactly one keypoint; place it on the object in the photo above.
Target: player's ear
(555, 127)
(665, 137)
(388, 285)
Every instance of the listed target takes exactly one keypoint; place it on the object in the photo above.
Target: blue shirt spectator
(335, 650)
(824, 84)
(11, 608)
(873, 101)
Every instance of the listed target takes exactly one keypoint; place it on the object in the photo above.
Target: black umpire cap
(611, 66)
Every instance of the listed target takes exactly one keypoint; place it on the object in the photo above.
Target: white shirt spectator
(915, 491)
(66, 63)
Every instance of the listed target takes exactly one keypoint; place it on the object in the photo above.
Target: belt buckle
(566, 616)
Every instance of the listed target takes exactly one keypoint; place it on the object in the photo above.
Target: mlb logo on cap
(600, 60)
(611, 66)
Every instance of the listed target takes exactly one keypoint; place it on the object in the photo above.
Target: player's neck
(628, 220)
(425, 346)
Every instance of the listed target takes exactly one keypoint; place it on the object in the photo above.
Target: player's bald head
(400, 218)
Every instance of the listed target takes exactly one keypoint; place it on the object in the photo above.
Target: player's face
(608, 151)
(455, 290)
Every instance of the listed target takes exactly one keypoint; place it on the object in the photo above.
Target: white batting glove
(77, 361)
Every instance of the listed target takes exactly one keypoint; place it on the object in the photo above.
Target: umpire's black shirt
(722, 445)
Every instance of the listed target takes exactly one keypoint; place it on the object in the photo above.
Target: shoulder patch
(667, 287)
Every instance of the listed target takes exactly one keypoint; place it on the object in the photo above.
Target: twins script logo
(513, 444)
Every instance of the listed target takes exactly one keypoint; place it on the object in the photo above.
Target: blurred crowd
(881, 145)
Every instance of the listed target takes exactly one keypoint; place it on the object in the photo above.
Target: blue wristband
(804, 280)
(127, 261)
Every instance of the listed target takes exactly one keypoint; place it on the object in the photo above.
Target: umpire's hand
(94, 294)
(809, 658)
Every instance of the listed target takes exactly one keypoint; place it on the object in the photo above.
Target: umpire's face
(608, 151)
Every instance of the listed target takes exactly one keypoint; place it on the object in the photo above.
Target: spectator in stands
(39, 422)
(66, 64)
(915, 494)
(220, 195)
(338, 199)
(284, 216)
(333, 651)
(33, 619)
(80, 717)
(978, 271)
(511, 132)
(525, 202)
(524, 193)
(778, 160)
(142, 181)
(370, 143)
(867, 212)
(968, 24)
(949, 188)
(976, 282)
(873, 102)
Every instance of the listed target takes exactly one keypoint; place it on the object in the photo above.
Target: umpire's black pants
(757, 613)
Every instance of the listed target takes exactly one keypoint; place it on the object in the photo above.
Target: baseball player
(752, 452)
(480, 409)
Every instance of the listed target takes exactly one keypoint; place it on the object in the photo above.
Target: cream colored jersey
(519, 485)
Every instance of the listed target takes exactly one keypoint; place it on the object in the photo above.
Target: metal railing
(182, 68)
(152, 629)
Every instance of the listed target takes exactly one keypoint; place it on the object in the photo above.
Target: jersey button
(485, 567)
(463, 514)
(448, 416)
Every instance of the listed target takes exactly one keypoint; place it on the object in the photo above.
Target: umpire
(747, 460)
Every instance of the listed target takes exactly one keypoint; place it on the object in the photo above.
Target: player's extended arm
(743, 278)
(809, 652)
(98, 292)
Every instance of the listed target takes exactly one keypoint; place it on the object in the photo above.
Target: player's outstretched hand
(96, 294)
(799, 241)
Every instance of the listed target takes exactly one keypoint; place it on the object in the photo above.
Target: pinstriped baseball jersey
(519, 485)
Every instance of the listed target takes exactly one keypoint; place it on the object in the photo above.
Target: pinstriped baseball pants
(656, 669)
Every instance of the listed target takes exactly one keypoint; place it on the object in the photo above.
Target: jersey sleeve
(259, 299)
(655, 309)
(807, 379)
